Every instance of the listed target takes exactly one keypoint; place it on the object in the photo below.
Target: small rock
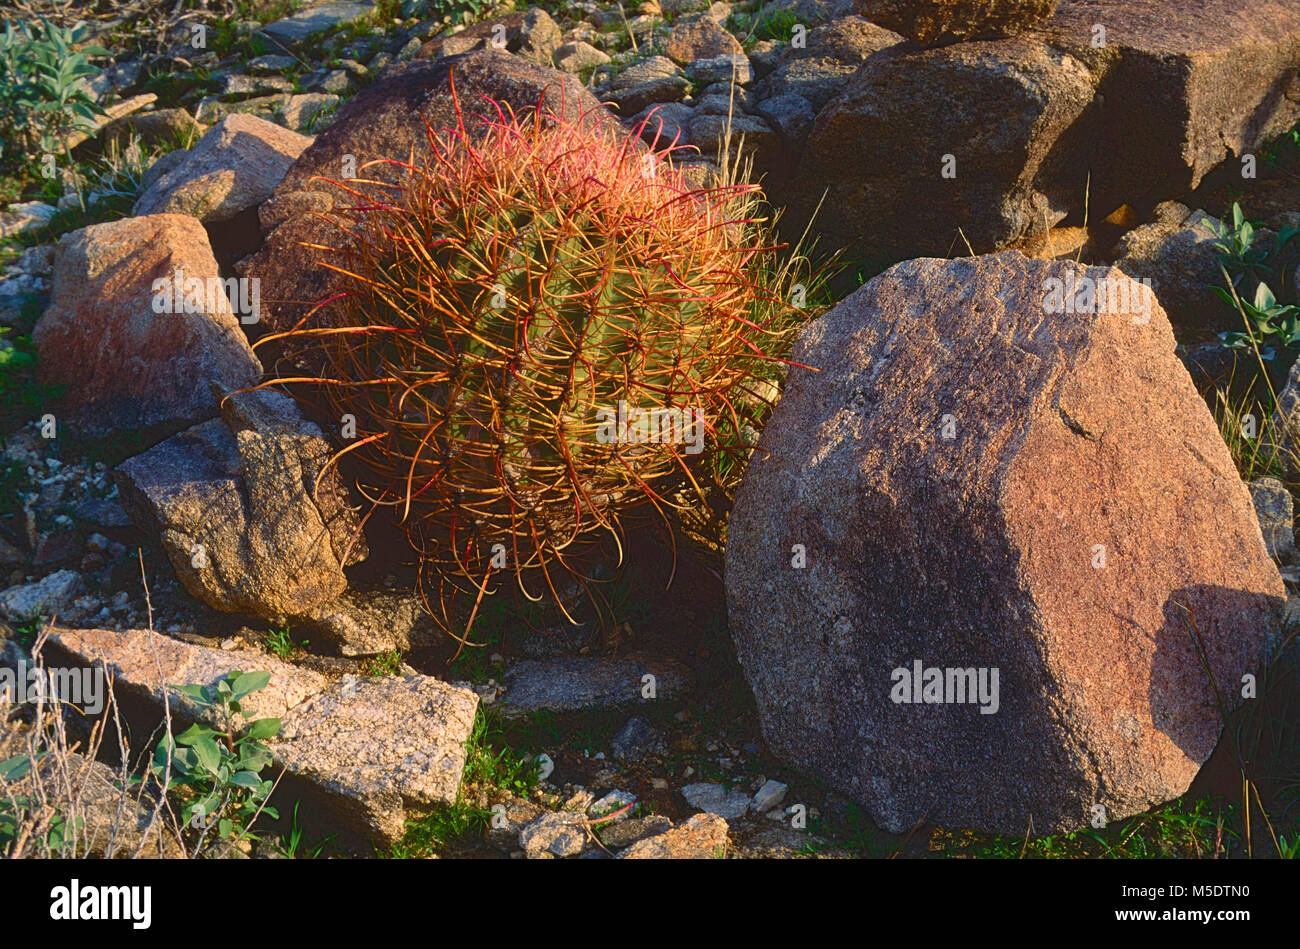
(1180, 260)
(636, 740)
(239, 86)
(575, 57)
(1286, 421)
(664, 123)
(653, 80)
(46, 597)
(771, 794)
(701, 37)
(702, 837)
(734, 68)
(508, 819)
(1275, 508)
(623, 833)
(715, 799)
(553, 834)
(25, 216)
(574, 684)
(270, 63)
(337, 82)
(314, 21)
(611, 802)
(764, 56)
(102, 512)
(790, 114)
(37, 261)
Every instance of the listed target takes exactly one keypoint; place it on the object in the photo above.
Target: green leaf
(263, 728)
(194, 733)
(253, 757)
(246, 779)
(197, 692)
(250, 682)
(207, 754)
(1264, 299)
(15, 768)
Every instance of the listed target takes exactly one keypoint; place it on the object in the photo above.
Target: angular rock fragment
(146, 665)
(234, 167)
(530, 34)
(45, 598)
(1180, 260)
(240, 516)
(316, 20)
(701, 837)
(715, 799)
(356, 754)
(378, 748)
(700, 37)
(1275, 509)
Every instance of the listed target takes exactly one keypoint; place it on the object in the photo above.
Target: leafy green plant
(1268, 322)
(281, 643)
(1250, 271)
(19, 388)
(42, 99)
(11, 357)
(1235, 242)
(459, 11)
(778, 25)
(13, 808)
(385, 664)
(220, 768)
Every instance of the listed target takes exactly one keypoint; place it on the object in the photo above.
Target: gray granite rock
(583, 682)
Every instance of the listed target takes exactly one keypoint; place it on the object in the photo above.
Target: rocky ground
(526, 743)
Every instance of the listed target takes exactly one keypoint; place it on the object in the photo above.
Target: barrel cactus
(543, 328)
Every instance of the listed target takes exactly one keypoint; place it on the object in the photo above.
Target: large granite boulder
(984, 556)
(982, 137)
(930, 22)
(1108, 102)
(125, 357)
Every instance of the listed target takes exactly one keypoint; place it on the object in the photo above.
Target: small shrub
(220, 768)
(1271, 326)
(41, 98)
